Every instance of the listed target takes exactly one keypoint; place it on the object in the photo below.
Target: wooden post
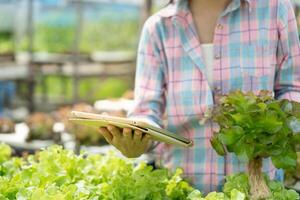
(76, 49)
(31, 67)
(146, 11)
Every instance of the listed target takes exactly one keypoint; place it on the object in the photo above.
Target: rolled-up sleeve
(287, 83)
(150, 77)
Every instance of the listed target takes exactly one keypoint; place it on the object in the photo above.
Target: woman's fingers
(106, 134)
(132, 141)
(114, 131)
(137, 136)
(127, 133)
(146, 138)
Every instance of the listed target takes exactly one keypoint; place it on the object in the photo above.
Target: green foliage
(55, 173)
(218, 146)
(90, 89)
(176, 182)
(110, 36)
(258, 126)
(5, 152)
(233, 195)
(54, 39)
(6, 42)
(214, 196)
(280, 193)
(104, 35)
(111, 88)
(240, 183)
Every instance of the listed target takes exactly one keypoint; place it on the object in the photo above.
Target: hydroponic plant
(255, 127)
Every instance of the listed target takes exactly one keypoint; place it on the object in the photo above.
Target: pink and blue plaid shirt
(256, 47)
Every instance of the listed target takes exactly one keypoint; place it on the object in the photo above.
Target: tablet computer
(158, 134)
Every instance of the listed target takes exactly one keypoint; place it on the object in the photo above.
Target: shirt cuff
(292, 96)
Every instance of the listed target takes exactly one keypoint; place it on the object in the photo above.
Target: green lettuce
(55, 174)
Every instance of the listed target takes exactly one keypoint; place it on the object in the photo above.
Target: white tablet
(157, 134)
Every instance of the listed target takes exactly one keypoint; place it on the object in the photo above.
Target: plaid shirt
(256, 47)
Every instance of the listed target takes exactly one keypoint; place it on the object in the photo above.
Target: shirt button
(217, 56)
(217, 89)
(220, 26)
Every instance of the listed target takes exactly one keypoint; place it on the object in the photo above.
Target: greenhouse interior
(118, 100)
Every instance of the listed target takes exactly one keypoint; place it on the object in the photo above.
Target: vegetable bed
(58, 174)
(271, 126)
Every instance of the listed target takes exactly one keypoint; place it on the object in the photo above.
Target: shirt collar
(181, 7)
(236, 4)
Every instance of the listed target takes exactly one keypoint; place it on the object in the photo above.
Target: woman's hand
(131, 143)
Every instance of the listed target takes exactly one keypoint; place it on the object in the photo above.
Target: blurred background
(63, 55)
(63, 51)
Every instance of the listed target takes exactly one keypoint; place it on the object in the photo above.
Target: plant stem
(258, 186)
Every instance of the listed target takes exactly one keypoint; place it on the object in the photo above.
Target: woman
(192, 51)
